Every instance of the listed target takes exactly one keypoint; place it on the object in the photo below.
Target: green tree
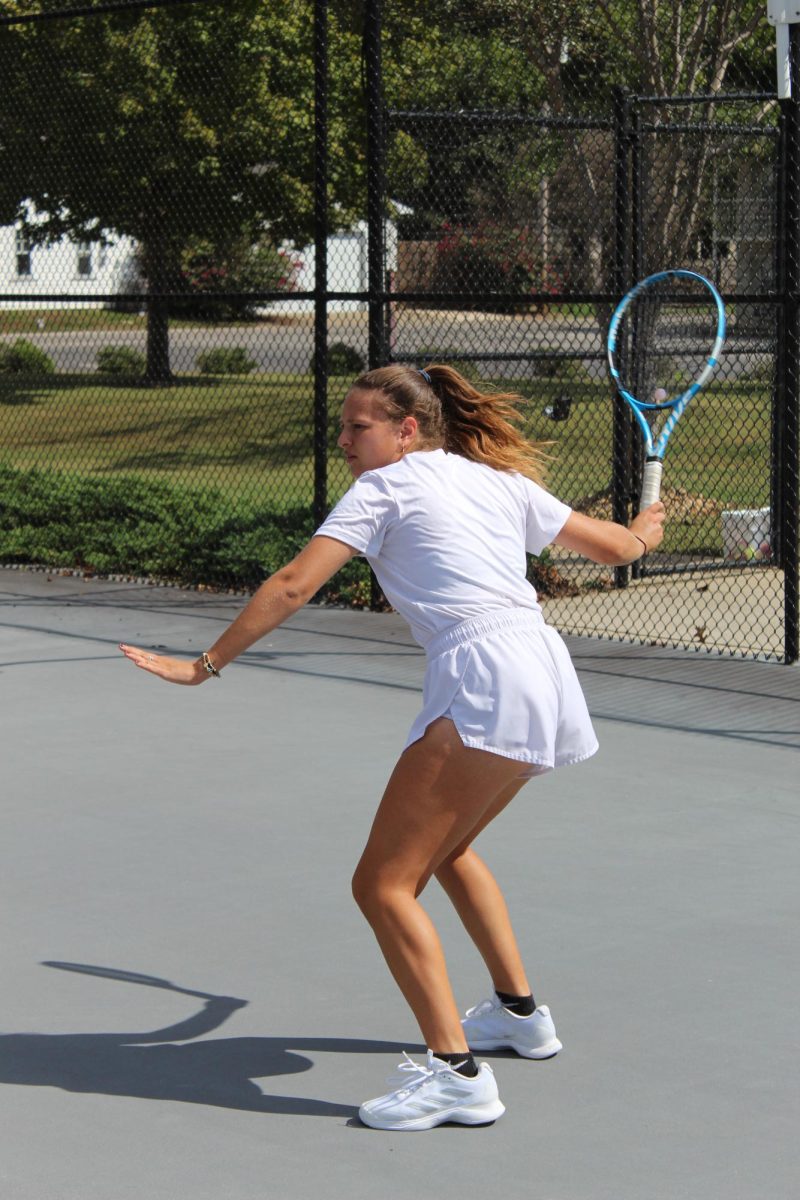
(581, 50)
(562, 59)
(170, 126)
(194, 124)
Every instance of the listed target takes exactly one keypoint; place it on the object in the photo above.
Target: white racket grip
(651, 482)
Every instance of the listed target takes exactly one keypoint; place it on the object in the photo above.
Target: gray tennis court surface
(205, 838)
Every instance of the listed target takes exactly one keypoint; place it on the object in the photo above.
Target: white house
(83, 270)
(347, 269)
(80, 269)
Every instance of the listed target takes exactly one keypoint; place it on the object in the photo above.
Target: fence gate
(517, 292)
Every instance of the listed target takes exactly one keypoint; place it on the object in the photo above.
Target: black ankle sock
(520, 1006)
(463, 1064)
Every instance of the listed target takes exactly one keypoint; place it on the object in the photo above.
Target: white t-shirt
(446, 537)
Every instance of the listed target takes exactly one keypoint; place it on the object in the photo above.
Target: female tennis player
(447, 498)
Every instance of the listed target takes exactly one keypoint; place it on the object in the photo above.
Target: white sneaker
(490, 1026)
(434, 1093)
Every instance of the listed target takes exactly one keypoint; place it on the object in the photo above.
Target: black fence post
(376, 199)
(778, 409)
(376, 181)
(636, 261)
(620, 274)
(320, 260)
(789, 523)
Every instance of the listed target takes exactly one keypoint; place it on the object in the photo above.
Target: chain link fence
(519, 231)
(162, 206)
(213, 216)
(514, 280)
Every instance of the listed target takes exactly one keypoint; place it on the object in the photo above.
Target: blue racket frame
(655, 449)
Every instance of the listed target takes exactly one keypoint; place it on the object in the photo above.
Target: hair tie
(425, 376)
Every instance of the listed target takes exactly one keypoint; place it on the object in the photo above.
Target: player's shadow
(219, 1072)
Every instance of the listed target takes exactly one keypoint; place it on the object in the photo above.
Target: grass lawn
(251, 437)
(66, 320)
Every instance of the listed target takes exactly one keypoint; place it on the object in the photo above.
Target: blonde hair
(454, 415)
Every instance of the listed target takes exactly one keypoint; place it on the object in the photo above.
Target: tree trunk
(157, 370)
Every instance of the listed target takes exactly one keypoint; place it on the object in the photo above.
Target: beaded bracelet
(210, 668)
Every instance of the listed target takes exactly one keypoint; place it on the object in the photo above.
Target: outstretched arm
(281, 595)
(612, 544)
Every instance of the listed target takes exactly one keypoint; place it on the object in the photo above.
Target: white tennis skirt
(507, 682)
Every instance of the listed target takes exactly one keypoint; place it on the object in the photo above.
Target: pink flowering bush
(242, 268)
(490, 257)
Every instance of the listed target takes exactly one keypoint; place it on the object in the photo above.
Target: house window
(23, 249)
(84, 260)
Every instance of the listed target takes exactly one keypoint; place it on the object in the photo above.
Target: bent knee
(368, 889)
(374, 892)
(361, 887)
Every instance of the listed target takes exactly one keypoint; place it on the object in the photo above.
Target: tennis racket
(664, 341)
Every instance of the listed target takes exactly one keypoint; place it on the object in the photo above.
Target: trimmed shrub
(120, 360)
(343, 360)
(134, 526)
(23, 358)
(226, 360)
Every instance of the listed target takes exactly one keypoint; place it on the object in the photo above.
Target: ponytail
(483, 426)
(452, 414)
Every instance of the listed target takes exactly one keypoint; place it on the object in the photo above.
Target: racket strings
(668, 333)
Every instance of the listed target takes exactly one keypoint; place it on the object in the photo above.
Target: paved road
(287, 344)
(168, 854)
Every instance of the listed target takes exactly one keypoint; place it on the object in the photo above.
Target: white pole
(782, 14)
(782, 57)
